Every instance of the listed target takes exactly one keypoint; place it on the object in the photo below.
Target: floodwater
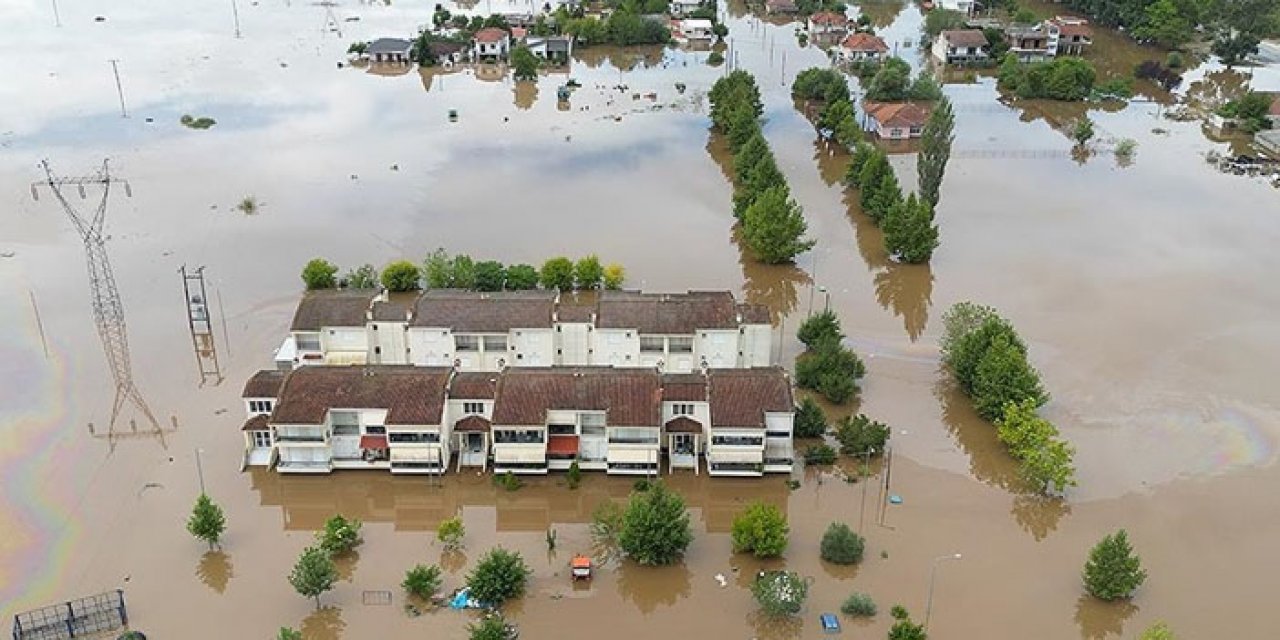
(1146, 293)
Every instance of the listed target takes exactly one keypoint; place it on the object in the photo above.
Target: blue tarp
(463, 600)
(830, 623)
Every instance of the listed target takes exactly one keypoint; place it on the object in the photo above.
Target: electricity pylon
(108, 311)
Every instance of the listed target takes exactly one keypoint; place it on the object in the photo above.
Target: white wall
(756, 344)
(430, 346)
(388, 342)
(533, 347)
(616, 347)
(718, 347)
(571, 340)
(353, 339)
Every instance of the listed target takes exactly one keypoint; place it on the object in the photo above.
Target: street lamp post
(200, 471)
(826, 303)
(866, 462)
(933, 574)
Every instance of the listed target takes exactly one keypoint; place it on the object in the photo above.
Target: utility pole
(235, 13)
(866, 462)
(200, 471)
(57, 20)
(933, 574)
(115, 69)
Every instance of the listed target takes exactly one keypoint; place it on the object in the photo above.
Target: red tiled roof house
(895, 120)
(861, 46)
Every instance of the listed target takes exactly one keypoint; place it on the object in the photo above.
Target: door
(475, 442)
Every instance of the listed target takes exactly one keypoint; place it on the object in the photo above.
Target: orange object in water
(581, 567)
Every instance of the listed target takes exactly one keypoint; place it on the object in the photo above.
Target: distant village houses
(828, 22)
(491, 44)
(861, 46)
(395, 50)
(896, 120)
(962, 46)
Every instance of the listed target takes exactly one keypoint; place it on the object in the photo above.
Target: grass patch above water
(201, 122)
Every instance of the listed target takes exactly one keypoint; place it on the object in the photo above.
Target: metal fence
(73, 619)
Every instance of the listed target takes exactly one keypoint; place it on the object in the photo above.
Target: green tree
(743, 123)
(1082, 132)
(1166, 25)
(314, 573)
(819, 328)
(935, 150)
(557, 273)
(774, 227)
(521, 277)
(848, 132)
(1003, 375)
(859, 604)
(811, 422)
(574, 476)
(890, 82)
(938, 20)
(761, 530)
(831, 370)
(400, 275)
(1233, 47)
(655, 526)
(207, 521)
(451, 532)
(840, 545)
(362, 277)
(422, 580)
(462, 272)
(1158, 631)
(339, 535)
(925, 88)
(437, 269)
(859, 434)
(500, 575)
(490, 626)
(871, 176)
(861, 155)
(780, 593)
(1113, 570)
(958, 322)
(884, 198)
(966, 352)
(288, 633)
(821, 454)
(820, 83)
(738, 87)
(587, 273)
(490, 275)
(909, 231)
(524, 63)
(319, 274)
(614, 276)
(1024, 16)
(749, 156)
(903, 628)
(833, 115)
(1046, 459)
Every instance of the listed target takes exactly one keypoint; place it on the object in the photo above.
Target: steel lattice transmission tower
(108, 311)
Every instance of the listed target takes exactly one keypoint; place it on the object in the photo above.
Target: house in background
(475, 331)
(861, 46)
(780, 7)
(393, 50)
(752, 416)
(491, 44)
(696, 29)
(1033, 43)
(259, 396)
(448, 53)
(1074, 35)
(895, 120)
(828, 22)
(965, 7)
(555, 48)
(329, 327)
(682, 8)
(963, 46)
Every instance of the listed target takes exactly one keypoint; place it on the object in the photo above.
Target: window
(592, 424)
(261, 439)
(737, 441)
(562, 429)
(473, 407)
(633, 435)
(682, 409)
(308, 341)
(346, 429)
(375, 429)
(467, 343)
(680, 344)
(517, 436)
(414, 438)
(495, 343)
(777, 434)
(260, 406)
(652, 344)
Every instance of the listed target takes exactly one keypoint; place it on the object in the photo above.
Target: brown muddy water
(1146, 293)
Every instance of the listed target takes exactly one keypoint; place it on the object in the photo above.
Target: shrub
(499, 576)
(319, 274)
(903, 628)
(401, 275)
(780, 593)
(614, 276)
(1113, 570)
(507, 481)
(285, 633)
(715, 59)
(820, 328)
(207, 521)
(831, 370)
(655, 526)
(521, 277)
(313, 574)
(574, 477)
(819, 454)
(451, 532)
(859, 604)
(422, 580)
(760, 530)
(557, 273)
(587, 273)
(340, 535)
(1126, 148)
(815, 83)
(858, 434)
(811, 422)
(840, 545)
(1175, 60)
(363, 277)
(462, 272)
(491, 626)
(490, 276)
(1158, 631)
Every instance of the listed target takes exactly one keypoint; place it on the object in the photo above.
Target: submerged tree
(525, 63)
(655, 526)
(760, 530)
(909, 231)
(780, 593)
(499, 576)
(1113, 571)
(319, 274)
(314, 573)
(207, 521)
(935, 150)
(774, 227)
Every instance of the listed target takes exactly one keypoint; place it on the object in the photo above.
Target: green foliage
(287, 633)
(736, 88)
(1166, 25)
(614, 276)
(463, 272)
(1003, 375)
(1046, 459)
(1113, 570)
(1234, 47)
(821, 454)
(818, 328)
(400, 275)
(715, 59)
(508, 481)
(490, 276)
(834, 114)
(969, 332)
(883, 198)
(363, 277)
(939, 20)
(925, 88)
(314, 573)
(1082, 131)
(587, 273)
(451, 532)
(774, 227)
(780, 593)
(818, 83)
(339, 535)
(1250, 110)
(1024, 16)
(903, 628)
(858, 159)
(422, 580)
(909, 231)
(201, 122)
(840, 545)
(574, 476)
(524, 63)
(997, 44)
(810, 422)
(319, 274)
(207, 521)
(655, 526)
(1158, 631)
(935, 150)
(499, 576)
(870, 178)
(357, 48)
(1126, 149)
(859, 605)
(891, 81)
(606, 523)
(490, 626)
(761, 530)
(437, 269)
(557, 273)
(859, 434)
(1066, 78)
(1174, 60)
(521, 277)
(831, 370)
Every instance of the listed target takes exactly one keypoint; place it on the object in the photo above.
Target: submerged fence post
(124, 614)
(71, 616)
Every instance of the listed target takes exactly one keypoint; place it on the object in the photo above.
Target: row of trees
(989, 361)
(910, 233)
(827, 366)
(440, 271)
(622, 28)
(1236, 26)
(1064, 78)
(890, 81)
(772, 224)
(837, 119)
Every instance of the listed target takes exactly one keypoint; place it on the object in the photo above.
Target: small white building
(960, 46)
(554, 48)
(861, 46)
(259, 396)
(491, 44)
(965, 7)
(682, 8)
(393, 50)
(697, 29)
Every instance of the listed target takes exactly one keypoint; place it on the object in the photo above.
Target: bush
(820, 328)
(840, 545)
(828, 85)
(715, 59)
(760, 530)
(422, 581)
(574, 477)
(491, 626)
(507, 481)
(1158, 631)
(1066, 78)
(499, 576)
(451, 532)
(655, 526)
(340, 535)
(859, 434)
(780, 593)
(1033, 441)
(1175, 60)
(319, 274)
(400, 275)
(859, 604)
(490, 276)
(1113, 570)
(557, 273)
(903, 628)
(363, 277)
(614, 276)
(819, 454)
(831, 370)
(811, 422)
(521, 277)
(587, 273)
(285, 633)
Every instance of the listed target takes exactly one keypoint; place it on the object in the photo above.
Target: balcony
(300, 438)
(309, 466)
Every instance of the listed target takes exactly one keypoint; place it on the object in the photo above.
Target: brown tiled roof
(473, 385)
(411, 395)
(899, 115)
(754, 313)
(683, 424)
(576, 307)
(256, 423)
(264, 384)
(865, 42)
(684, 387)
(681, 313)
(741, 397)
(490, 34)
(472, 424)
(830, 18)
(629, 397)
(780, 5)
(1074, 28)
(333, 308)
(390, 311)
(965, 37)
(478, 312)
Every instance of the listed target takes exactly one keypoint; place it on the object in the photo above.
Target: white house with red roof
(896, 120)
(861, 46)
(491, 43)
(828, 22)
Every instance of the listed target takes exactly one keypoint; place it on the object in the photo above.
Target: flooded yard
(1145, 292)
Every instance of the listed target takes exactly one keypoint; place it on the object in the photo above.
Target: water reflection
(988, 460)
(215, 570)
(1098, 619)
(452, 561)
(324, 623)
(653, 587)
(832, 158)
(621, 58)
(776, 286)
(525, 93)
(882, 14)
(435, 76)
(907, 290)
(1039, 515)
(775, 628)
(346, 564)
(1215, 89)
(869, 238)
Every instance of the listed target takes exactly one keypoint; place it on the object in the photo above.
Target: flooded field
(1146, 294)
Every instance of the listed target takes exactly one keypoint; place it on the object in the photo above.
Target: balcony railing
(294, 437)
